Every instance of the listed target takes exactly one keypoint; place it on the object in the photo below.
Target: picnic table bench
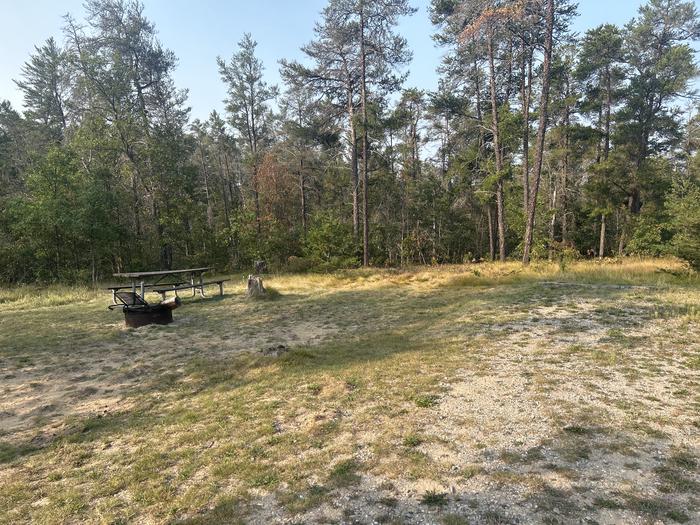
(180, 286)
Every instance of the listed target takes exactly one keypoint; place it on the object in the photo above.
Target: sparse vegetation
(378, 365)
(412, 440)
(434, 498)
(426, 400)
(487, 386)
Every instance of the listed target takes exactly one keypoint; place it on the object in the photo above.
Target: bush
(648, 236)
(330, 243)
(684, 205)
(299, 264)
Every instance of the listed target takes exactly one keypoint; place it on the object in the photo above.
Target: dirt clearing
(470, 394)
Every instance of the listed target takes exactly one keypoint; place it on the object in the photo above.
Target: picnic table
(164, 281)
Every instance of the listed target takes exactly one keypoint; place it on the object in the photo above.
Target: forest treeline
(538, 143)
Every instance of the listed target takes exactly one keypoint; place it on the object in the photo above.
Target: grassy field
(465, 394)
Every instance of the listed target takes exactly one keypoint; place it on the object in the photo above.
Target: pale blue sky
(198, 31)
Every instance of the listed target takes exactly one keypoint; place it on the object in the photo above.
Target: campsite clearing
(477, 393)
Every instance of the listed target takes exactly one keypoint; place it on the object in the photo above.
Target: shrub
(299, 264)
(434, 498)
(648, 236)
(684, 206)
(330, 244)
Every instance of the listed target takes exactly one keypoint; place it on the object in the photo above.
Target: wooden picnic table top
(136, 275)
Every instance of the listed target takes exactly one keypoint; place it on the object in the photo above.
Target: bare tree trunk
(365, 141)
(492, 243)
(403, 230)
(205, 172)
(302, 187)
(542, 127)
(604, 113)
(621, 244)
(623, 224)
(256, 197)
(479, 115)
(500, 213)
(93, 266)
(565, 167)
(236, 201)
(552, 223)
(598, 151)
(500, 219)
(137, 206)
(224, 193)
(525, 94)
(352, 138)
(608, 104)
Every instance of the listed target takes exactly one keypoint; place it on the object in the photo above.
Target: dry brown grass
(481, 393)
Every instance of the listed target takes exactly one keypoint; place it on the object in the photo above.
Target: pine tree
(247, 106)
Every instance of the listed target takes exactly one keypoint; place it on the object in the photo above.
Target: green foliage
(329, 243)
(248, 95)
(434, 499)
(684, 206)
(412, 440)
(62, 226)
(49, 217)
(647, 237)
(426, 400)
(103, 171)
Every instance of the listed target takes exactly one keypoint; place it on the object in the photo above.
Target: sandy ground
(546, 440)
(38, 401)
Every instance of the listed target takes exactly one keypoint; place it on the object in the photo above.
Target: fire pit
(137, 312)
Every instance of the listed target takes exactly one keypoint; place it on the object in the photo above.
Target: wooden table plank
(136, 275)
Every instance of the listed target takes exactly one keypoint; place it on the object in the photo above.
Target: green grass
(426, 400)
(412, 440)
(434, 498)
(471, 378)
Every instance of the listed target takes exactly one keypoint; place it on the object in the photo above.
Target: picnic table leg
(194, 290)
(142, 291)
(221, 288)
(201, 285)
